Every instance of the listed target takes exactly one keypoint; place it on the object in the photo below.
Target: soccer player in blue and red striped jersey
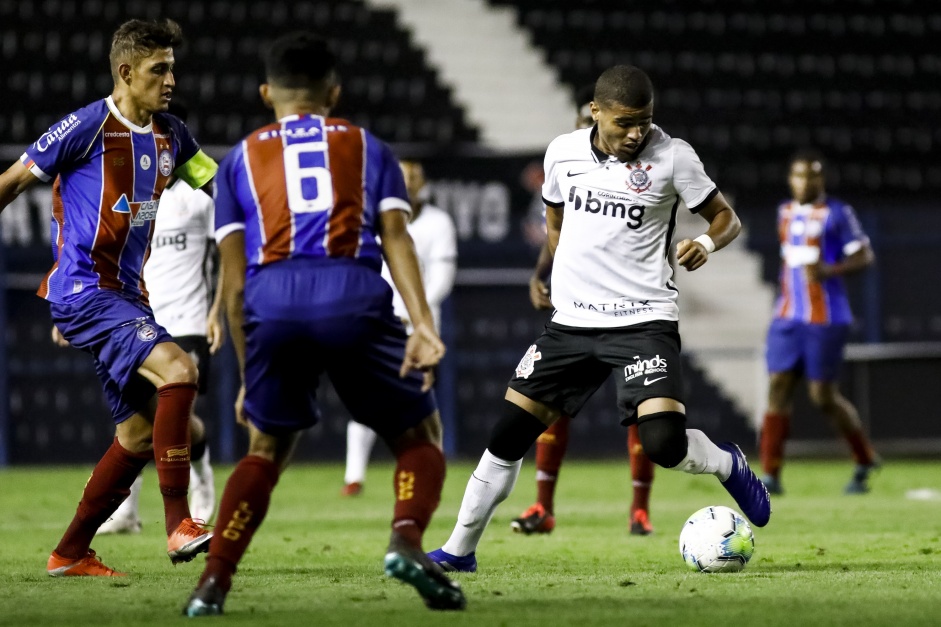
(300, 207)
(109, 163)
(821, 242)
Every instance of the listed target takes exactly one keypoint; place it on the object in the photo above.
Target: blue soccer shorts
(811, 350)
(120, 333)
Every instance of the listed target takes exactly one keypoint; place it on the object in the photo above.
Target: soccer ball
(717, 539)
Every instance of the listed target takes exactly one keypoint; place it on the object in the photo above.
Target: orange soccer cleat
(88, 566)
(352, 489)
(189, 539)
(534, 520)
(640, 523)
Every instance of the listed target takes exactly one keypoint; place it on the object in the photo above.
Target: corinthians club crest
(637, 178)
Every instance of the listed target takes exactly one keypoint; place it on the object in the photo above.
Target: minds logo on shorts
(528, 362)
(146, 332)
(654, 365)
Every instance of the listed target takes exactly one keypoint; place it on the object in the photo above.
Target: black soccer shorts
(567, 364)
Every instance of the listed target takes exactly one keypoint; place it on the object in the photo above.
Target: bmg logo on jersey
(616, 205)
(652, 366)
(177, 241)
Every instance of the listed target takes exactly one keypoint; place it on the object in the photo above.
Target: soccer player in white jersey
(553, 443)
(611, 195)
(435, 237)
(179, 276)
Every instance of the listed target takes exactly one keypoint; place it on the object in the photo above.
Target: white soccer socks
(704, 457)
(489, 485)
(359, 442)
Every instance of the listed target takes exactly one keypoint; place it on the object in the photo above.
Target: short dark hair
(300, 60)
(137, 39)
(809, 155)
(584, 95)
(624, 85)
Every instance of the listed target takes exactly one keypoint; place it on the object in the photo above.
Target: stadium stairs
(504, 84)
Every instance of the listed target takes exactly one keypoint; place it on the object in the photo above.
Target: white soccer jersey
(177, 272)
(611, 268)
(436, 248)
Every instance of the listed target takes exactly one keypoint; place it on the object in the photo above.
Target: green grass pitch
(825, 558)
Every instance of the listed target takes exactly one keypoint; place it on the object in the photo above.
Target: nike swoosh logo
(648, 381)
(570, 173)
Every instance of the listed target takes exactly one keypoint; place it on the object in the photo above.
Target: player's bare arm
(215, 323)
(232, 264)
(851, 264)
(538, 282)
(724, 226)
(424, 348)
(16, 180)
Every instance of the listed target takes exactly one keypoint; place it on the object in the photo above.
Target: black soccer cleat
(206, 600)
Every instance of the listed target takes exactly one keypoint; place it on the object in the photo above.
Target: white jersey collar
(123, 120)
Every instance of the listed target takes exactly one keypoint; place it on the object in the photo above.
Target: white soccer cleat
(126, 519)
(202, 493)
(120, 524)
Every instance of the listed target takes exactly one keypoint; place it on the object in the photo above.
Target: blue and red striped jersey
(108, 176)
(824, 231)
(308, 186)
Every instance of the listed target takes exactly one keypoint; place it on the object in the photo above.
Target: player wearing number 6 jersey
(300, 205)
(611, 194)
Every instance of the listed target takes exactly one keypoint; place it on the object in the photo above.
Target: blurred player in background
(111, 161)
(617, 185)
(821, 242)
(179, 277)
(433, 232)
(301, 206)
(551, 445)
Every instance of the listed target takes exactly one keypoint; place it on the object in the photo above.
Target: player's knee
(515, 433)
(428, 430)
(822, 395)
(663, 436)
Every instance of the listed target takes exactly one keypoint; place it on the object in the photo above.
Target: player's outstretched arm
(232, 265)
(424, 348)
(724, 226)
(16, 180)
(215, 325)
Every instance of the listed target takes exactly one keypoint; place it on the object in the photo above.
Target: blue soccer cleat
(454, 563)
(859, 483)
(773, 484)
(746, 488)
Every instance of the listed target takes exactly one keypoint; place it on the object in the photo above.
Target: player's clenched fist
(691, 254)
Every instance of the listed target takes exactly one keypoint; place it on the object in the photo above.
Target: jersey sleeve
(65, 143)
(228, 216)
(392, 191)
(689, 177)
(849, 231)
(441, 266)
(551, 193)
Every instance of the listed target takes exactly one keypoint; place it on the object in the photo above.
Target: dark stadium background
(746, 82)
